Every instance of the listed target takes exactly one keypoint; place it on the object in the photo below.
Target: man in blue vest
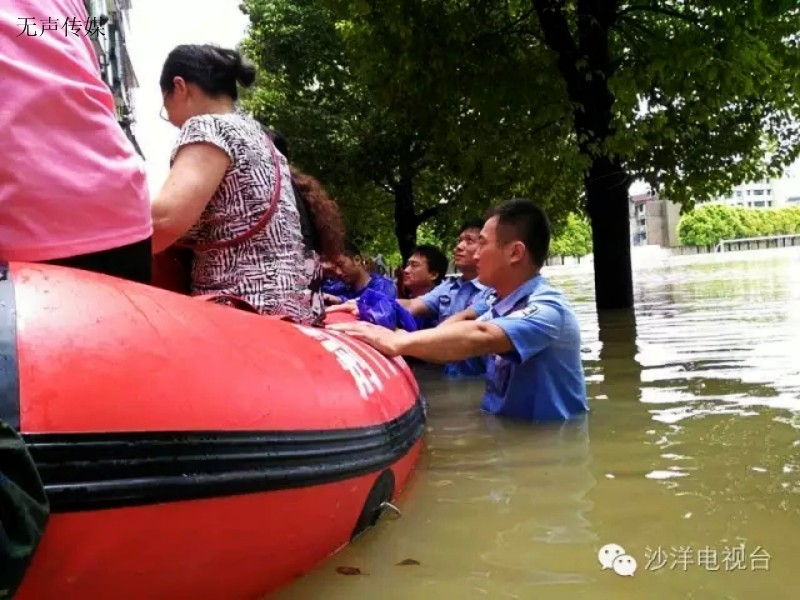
(526, 329)
(455, 295)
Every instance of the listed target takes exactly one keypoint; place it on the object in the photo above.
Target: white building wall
(773, 193)
(758, 194)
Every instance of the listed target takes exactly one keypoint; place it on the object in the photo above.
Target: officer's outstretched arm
(455, 342)
(438, 345)
(468, 314)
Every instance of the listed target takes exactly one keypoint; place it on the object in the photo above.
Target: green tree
(443, 105)
(718, 79)
(396, 109)
(710, 224)
(706, 226)
(574, 238)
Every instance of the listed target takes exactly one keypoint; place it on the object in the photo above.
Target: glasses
(163, 113)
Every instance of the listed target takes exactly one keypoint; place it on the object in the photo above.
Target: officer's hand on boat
(382, 339)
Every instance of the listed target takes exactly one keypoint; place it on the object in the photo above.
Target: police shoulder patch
(524, 312)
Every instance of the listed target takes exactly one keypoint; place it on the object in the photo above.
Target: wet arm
(467, 314)
(454, 342)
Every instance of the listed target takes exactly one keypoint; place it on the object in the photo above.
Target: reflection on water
(690, 455)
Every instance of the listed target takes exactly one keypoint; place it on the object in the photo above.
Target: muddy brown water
(689, 459)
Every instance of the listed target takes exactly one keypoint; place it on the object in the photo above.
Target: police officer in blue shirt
(425, 270)
(455, 295)
(527, 329)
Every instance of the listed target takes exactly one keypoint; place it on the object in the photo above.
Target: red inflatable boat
(188, 449)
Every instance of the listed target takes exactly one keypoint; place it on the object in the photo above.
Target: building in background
(772, 193)
(757, 194)
(654, 220)
(111, 20)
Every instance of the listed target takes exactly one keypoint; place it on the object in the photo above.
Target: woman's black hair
(278, 139)
(215, 70)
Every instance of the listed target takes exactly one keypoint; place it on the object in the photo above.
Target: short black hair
(519, 219)
(215, 70)
(436, 259)
(471, 224)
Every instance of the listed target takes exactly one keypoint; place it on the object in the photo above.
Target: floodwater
(689, 458)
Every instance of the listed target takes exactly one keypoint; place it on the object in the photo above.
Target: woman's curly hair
(324, 212)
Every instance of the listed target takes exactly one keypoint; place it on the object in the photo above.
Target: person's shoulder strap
(272, 207)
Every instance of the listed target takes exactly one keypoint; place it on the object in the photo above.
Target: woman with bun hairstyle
(228, 196)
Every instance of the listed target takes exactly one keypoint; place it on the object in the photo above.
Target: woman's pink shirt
(71, 182)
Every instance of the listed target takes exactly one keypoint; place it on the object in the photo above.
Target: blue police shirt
(378, 283)
(426, 321)
(451, 297)
(542, 378)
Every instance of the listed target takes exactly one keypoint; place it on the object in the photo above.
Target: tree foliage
(718, 79)
(710, 224)
(425, 111)
(574, 238)
(395, 107)
(687, 95)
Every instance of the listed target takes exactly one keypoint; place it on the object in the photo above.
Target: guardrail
(794, 237)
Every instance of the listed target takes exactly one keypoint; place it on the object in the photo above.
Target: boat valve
(388, 507)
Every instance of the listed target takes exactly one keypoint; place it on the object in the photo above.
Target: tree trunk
(584, 61)
(622, 373)
(607, 204)
(405, 220)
